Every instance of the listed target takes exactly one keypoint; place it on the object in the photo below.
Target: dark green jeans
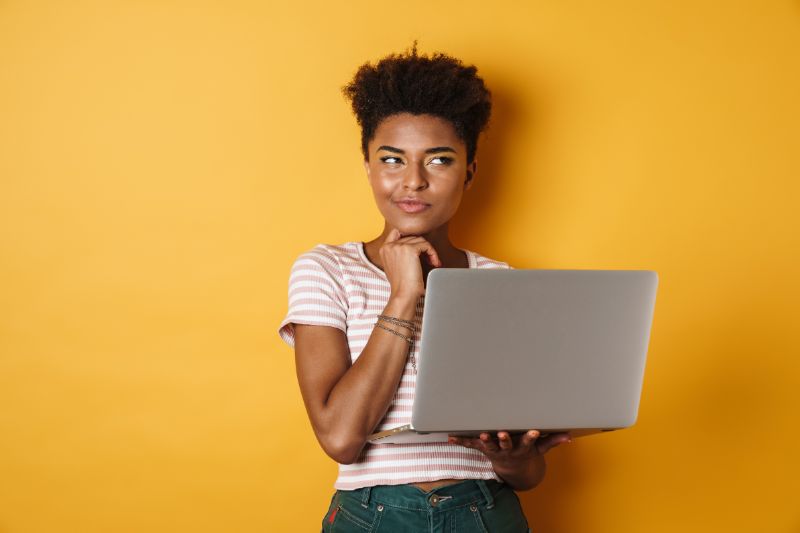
(465, 507)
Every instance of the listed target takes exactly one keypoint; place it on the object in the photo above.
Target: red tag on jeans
(333, 516)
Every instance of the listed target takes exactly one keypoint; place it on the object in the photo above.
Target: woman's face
(417, 168)
(418, 171)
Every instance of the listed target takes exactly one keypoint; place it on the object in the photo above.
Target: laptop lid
(523, 349)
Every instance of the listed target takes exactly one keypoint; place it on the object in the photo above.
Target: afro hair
(439, 85)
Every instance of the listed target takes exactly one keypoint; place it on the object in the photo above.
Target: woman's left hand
(509, 453)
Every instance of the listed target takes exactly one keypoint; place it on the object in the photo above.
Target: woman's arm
(346, 402)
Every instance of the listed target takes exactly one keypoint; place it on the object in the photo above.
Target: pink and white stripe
(338, 286)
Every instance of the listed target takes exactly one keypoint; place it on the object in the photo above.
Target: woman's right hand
(401, 263)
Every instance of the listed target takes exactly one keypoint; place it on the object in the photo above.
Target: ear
(366, 167)
(471, 169)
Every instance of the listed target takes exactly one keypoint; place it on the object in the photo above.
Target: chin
(413, 229)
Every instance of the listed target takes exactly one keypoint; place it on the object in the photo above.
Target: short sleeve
(317, 295)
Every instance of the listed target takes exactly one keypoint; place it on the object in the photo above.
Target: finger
(505, 440)
(563, 437)
(417, 243)
(488, 443)
(421, 246)
(411, 239)
(551, 441)
(393, 235)
(428, 249)
(457, 439)
(463, 441)
(529, 438)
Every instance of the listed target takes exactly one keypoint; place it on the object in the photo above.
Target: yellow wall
(163, 163)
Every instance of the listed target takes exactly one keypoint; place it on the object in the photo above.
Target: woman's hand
(505, 450)
(519, 461)
(401, 263)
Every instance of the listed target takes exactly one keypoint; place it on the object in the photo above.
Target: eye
(390, 159)
(442, 160)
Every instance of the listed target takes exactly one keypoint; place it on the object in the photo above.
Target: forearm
(360, 399)
(523, 476)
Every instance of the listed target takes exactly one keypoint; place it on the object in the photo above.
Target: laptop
(513, 350)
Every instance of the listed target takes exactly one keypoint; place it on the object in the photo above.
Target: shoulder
(481, 261)
(326, 257)
(336, 265)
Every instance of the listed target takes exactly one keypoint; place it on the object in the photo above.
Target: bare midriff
(428, 486)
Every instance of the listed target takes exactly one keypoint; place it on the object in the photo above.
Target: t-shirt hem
(341, 485)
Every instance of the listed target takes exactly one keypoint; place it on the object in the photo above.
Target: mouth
(412, 206)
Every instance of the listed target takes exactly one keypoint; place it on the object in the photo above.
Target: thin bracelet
(408, 324)
(396, 323)
(409, 340)
(398, 319)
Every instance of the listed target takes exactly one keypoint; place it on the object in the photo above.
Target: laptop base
(408, 435)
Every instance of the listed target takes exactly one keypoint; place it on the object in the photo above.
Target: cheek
(451, 188)
(381, 187)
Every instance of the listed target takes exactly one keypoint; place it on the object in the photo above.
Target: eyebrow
(433, 150)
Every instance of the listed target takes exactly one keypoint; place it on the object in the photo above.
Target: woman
(355, 310)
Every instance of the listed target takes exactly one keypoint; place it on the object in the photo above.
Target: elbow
(342, 448)
(343, 457)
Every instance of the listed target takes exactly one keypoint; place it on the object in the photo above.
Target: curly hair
(440, 85)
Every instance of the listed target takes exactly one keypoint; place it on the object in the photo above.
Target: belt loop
(365, 497)
(486, 493)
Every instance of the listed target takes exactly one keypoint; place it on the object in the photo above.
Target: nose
(415, 178)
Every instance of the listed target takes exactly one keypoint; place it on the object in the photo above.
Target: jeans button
(473, 507)
(434, 500)
(380, 507)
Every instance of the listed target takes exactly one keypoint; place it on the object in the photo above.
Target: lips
(412, 206)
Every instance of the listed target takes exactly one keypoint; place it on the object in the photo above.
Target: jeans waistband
(410, 497)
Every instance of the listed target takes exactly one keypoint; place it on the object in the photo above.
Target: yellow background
(163, 163)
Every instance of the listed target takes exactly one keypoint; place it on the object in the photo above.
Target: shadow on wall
(512, 116)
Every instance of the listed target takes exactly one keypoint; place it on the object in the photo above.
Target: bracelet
(409, 340)
(408, 324)
(395, 323)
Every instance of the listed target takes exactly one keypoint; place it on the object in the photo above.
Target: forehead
(410, 132)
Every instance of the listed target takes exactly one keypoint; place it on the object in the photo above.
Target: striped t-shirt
(338, 286)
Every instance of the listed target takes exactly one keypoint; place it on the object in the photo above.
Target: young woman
(355, 311)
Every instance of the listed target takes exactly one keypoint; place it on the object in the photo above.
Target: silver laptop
(513, 350)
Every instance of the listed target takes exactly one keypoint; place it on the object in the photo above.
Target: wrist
(402, 305)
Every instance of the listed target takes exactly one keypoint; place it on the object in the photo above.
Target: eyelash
(445, 160)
